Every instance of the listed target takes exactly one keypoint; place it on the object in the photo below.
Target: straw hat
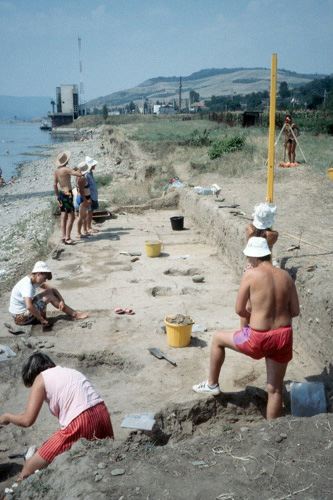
(42, 267)
(90, 162)
(63, 158)
(263, 215)
(256, 247)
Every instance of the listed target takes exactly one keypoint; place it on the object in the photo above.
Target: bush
(226, 145)
(198, 138)
(103, 180)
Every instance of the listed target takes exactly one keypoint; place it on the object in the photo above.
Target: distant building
(67, 103)
(156, 109)
(168, 109)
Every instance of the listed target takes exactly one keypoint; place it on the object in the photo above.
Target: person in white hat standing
(63, 191)
(89, 175)
(273, 300)
(83, 200)
(27, 306)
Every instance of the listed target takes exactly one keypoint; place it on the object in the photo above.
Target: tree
(105, 112)
(284, 91)
(194, 96)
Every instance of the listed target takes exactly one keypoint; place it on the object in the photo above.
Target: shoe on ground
(204, 388)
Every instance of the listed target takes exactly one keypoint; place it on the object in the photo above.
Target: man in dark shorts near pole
(64, 194)
(273, 303)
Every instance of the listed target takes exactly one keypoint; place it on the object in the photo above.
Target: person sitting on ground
(291, 132)
(63, 191)
(274, 302)
(83, 200)
(89, 175)
(28, 307)
(71, 398)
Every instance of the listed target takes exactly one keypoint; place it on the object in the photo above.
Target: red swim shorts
(273, 344)
(93, 423)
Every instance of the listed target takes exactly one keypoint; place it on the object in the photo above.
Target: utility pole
(81, 92)
(180, 94)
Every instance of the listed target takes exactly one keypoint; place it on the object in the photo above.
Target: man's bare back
(272, 296)
(62, 177)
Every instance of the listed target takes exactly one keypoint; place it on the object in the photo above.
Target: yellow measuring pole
(271, 138)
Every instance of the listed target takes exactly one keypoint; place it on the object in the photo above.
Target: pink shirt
(68, 393)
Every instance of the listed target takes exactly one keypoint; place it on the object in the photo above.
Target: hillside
(23, 108)
(207, 82)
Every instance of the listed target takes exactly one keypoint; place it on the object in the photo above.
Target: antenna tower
(82, 110)
(180, 94)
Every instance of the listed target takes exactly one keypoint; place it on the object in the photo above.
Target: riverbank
(27, 205)
(201, 437)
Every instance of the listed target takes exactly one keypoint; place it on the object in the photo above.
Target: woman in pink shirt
(71, 398)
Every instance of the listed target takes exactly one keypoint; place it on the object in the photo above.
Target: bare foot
(80, 315)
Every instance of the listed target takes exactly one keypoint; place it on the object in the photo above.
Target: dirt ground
(202, 447)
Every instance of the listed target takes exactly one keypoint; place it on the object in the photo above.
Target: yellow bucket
(178, 335)
(153, 248)
(330, 173)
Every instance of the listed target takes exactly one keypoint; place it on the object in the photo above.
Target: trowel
(160, 355)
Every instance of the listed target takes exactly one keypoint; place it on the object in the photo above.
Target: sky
(125, 42)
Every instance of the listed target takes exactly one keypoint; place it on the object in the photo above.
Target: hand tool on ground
(160, 355)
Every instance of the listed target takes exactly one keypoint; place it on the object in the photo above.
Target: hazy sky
(125, 42)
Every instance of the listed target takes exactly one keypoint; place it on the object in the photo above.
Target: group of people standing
(83, 198)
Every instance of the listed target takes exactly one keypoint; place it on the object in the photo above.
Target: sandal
(129, 311)
(69, 242)
(119, 310)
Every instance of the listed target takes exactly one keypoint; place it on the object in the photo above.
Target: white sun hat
(90, 162)
(263, 215)
(42, 267)
(256, 247)
(83, 167)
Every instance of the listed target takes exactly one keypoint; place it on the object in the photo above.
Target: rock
(281, 437)
(198, 278)
(244, 429)
(98, 477)
(49, 345)
(117, 472)
(101, 465)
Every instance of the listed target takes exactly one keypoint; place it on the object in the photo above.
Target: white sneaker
(204, 388)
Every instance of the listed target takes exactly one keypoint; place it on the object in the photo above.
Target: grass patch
(103, 180)
(173, 131)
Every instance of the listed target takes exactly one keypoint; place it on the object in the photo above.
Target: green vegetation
(172, 130)
(226, 145)
(103, 180)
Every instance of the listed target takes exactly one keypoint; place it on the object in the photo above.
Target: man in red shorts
(268, 299)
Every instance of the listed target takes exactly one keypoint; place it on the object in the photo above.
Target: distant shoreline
(26, 210)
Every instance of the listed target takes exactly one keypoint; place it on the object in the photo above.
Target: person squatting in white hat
(27, 306)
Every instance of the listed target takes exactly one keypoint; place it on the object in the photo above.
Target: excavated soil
(200, 448)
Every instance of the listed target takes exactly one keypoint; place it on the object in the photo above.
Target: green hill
(207, 82)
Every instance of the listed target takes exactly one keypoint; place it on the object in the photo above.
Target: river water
(21, 142)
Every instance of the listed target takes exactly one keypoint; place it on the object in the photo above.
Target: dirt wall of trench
(313, 329)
